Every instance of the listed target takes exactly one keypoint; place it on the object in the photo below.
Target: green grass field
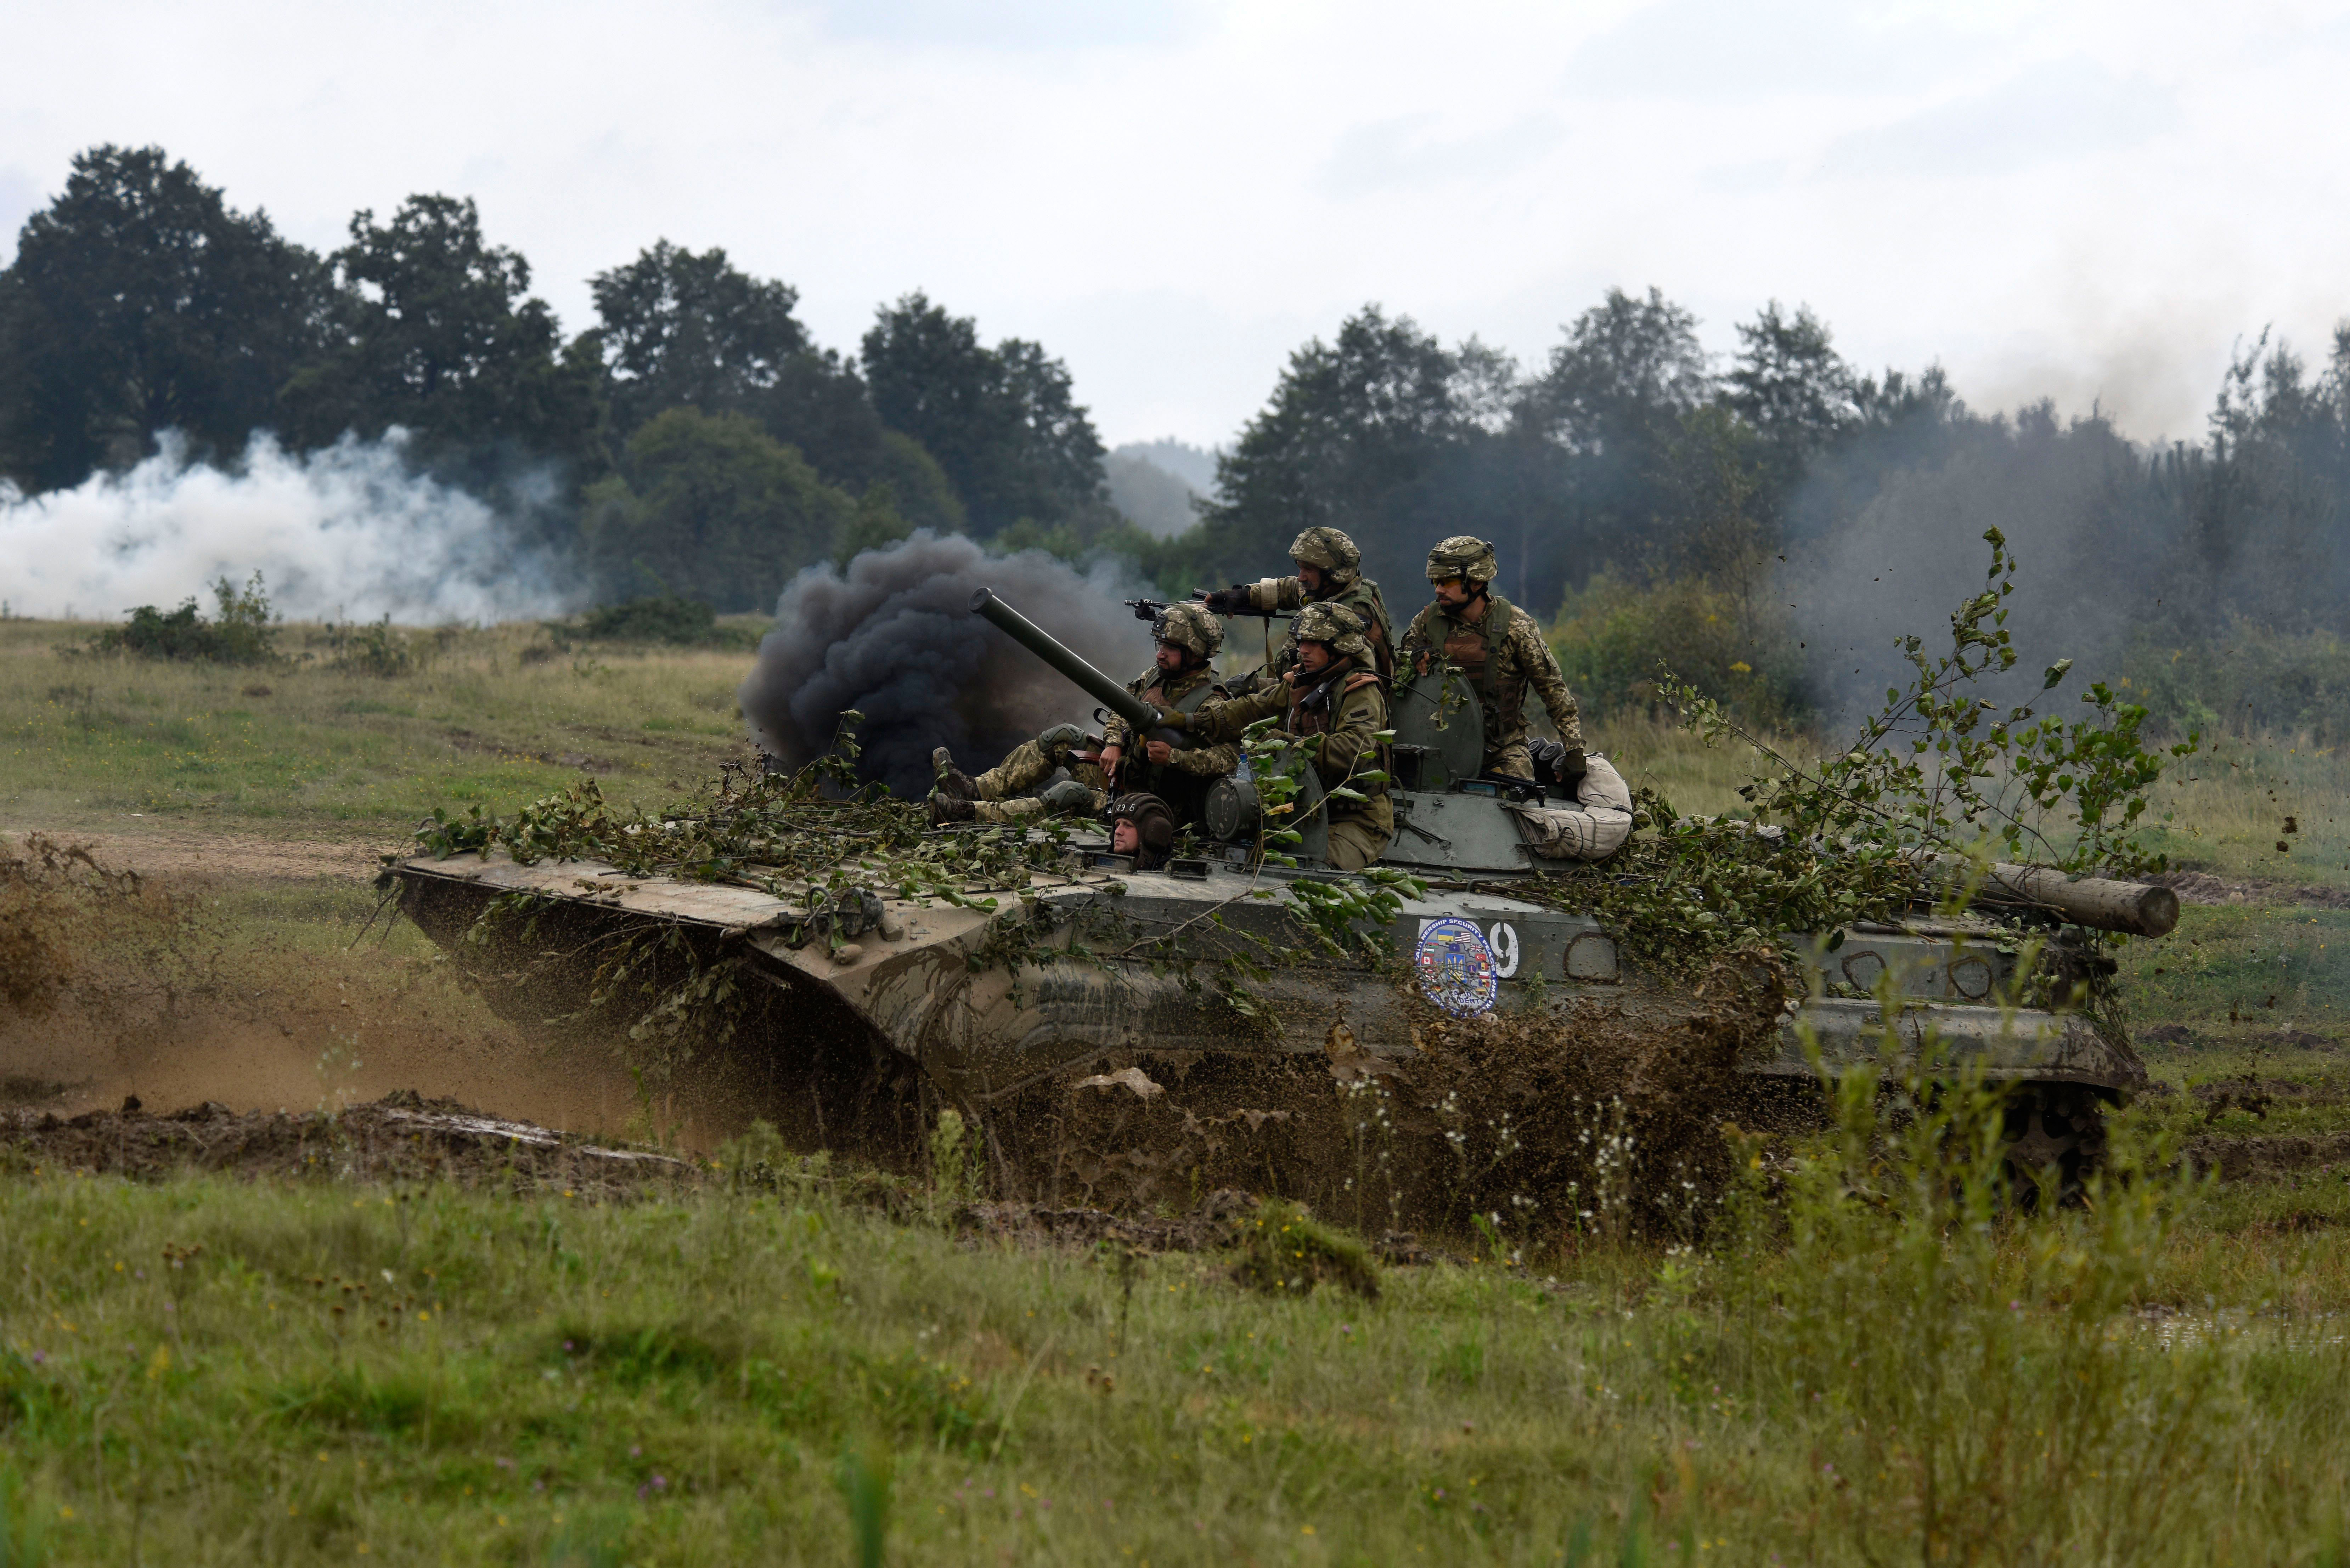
(711, 1375)
(684, 1379)
(494, 718)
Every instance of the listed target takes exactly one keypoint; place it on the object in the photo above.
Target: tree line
(1770, 525)
(701, 443)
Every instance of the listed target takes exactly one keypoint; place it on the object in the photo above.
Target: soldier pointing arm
(1329, 571)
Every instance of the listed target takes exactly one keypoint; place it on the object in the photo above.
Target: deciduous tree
(434, 330)
(139, 301)
(711, 506)
(1003, 423)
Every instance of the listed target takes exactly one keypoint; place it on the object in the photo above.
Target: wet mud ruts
(403, 1137)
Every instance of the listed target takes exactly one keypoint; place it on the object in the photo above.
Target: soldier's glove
(1571, 767)
(1069, 796)
(1057, 740)
(1169, 719)
(1226, 601)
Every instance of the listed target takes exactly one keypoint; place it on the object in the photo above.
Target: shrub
(2250, 681)
(244, 632)
(666, 617)
(374, 649)
(1611, 637)
(713, 505)
(1280, 1247)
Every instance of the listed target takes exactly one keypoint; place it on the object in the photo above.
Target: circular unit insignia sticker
(1456, 967)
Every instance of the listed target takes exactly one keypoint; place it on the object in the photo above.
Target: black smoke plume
(893, 637)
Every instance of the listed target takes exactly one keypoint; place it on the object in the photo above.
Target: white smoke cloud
(348, 531)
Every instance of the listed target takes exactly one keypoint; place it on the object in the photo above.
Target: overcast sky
(2089, 201)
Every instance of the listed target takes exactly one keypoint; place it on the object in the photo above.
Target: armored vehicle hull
(1113, 991)
(1139, 1033)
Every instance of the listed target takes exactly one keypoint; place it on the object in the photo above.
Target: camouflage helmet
(1336, 624)
(1331, 550)
(1189, 627)
(1464, 557)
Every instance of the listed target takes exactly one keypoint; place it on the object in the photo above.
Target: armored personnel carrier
(1133, 1035)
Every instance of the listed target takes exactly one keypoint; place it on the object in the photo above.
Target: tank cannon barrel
(1053, 651)
(2100, 903)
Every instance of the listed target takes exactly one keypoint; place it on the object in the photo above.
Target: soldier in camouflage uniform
(1007, 792)
(1187, 637)
(1334, 700)
(1500, 650)
(1329, 571)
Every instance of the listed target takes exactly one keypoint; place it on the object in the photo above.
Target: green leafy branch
(1941, 768)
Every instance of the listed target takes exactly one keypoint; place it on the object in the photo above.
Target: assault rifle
(1151, 609)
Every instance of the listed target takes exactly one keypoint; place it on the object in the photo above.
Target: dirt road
(157, 848)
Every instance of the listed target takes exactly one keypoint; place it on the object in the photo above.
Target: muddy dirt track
(254, 995)
(401, 1138)
(154, 849)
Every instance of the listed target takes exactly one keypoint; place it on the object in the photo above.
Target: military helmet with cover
(1189, 627)
(1330, 549)
(1463, 556)
(1336, 624)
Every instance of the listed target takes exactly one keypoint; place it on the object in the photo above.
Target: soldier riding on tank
(1334, 701)
(1141, 827)
(1500, 650)
(1180, 680)
(1329, 571)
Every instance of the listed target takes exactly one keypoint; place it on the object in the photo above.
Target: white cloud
(1173, 194)
(1414, 153)
(1736, 51)
(2048, 114)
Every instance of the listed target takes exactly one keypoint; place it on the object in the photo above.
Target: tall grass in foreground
(1876, 1361)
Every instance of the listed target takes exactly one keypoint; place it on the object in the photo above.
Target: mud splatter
(400, 1139)
(1524, 1129)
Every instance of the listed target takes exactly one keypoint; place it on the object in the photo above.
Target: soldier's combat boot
(954, 782)
(946, 809)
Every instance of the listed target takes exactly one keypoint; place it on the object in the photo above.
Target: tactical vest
(1476, 648)
(1185, 793)
(1308, 716)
